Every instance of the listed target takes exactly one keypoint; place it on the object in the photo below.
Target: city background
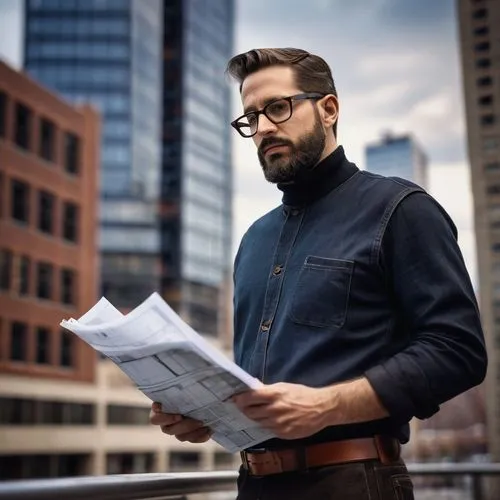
(120, 176)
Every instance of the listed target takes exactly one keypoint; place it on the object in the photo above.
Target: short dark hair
(312, 73)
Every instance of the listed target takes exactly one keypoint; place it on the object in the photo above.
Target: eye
(278, 108)
(252, 119)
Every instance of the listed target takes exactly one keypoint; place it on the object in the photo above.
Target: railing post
(477, 486)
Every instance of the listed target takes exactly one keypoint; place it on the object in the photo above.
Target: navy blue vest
(312, 305)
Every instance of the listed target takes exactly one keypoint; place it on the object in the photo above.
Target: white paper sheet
(173, 365)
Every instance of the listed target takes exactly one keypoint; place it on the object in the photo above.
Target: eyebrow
(267, 101)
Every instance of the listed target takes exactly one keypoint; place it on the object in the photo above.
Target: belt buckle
(244, 456)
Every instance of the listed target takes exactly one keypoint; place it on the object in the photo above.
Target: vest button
(277, 270)
(264, 327)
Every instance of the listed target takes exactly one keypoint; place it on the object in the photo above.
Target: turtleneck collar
(328, 174)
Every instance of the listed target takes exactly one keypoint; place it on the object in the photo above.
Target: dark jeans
(368, 480)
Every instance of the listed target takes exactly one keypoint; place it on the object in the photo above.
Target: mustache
(270, 142)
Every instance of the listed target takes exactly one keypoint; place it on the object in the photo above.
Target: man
(352, 302)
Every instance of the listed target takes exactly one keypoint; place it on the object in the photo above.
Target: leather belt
(262, 462)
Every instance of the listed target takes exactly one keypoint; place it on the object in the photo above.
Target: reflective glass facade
(198, 42)
(155, 69)
(398, 156)
(108, 53)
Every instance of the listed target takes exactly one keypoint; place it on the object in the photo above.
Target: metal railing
(180, 485)
(120, 487)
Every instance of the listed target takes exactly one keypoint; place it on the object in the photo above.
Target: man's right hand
(183, 428)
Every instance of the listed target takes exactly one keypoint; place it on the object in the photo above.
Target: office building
(196, 209)
(108, 53)
(480, 58)
(399, 156)
(48, 257)
(156, 71)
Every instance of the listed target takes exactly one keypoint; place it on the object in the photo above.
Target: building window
(81, 414)
(483, 63)
(482, 47)
(68, 283)
(6, 259)
(128, 463)
(480, 13)
(23, 126)
(24, 275)
(46, 203)
(70, 222)
(3, 113)
(491, 144)
(42, 345)
(51, 412)
(496, 247)
(71, 153)
(223, 460)
(2, 195)
(493, 166)
(63, 413)
(18, 341)
(485, 81)
(38, 466)
(44, 282)
(481, 30)
(47, 139)
(66, 349)
(493, 189)
(17, 411)
(485, 100)
(126, 415)
(184, 461)
(488, 120)
(20, 203)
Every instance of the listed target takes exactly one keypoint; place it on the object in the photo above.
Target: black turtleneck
(317, 182)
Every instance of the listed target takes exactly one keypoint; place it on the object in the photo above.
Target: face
(287, 149)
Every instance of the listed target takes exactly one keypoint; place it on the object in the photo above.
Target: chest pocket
(321, 294)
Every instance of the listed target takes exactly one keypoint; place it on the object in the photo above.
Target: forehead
(267, 84)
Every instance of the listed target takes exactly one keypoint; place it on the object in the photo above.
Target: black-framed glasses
(277, 111)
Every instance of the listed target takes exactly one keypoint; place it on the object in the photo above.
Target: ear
(329, 109)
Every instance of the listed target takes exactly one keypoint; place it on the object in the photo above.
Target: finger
(185, 426)
(198, 436)
(158, 418)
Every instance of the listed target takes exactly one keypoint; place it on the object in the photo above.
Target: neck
(331, 171)
(330, 146)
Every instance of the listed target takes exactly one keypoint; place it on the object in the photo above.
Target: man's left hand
(291, 411)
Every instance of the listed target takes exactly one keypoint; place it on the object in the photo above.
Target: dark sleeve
(446, 353)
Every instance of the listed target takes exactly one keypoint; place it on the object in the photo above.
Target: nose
(266, 126)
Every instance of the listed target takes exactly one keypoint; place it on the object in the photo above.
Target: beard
(300, 158)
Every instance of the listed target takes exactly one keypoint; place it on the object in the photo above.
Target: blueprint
(172, 364)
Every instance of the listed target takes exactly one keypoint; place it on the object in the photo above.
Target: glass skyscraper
(155, 70)
(108, 52)
(196, 214)
(399, 156)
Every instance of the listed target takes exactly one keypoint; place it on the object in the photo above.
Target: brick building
(48, 259)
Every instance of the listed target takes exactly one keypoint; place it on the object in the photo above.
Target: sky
(396, 68)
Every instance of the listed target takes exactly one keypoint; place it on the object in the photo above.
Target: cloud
(386, 64)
